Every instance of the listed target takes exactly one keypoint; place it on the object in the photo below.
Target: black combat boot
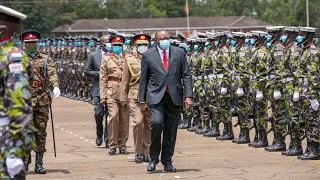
(295, 148)
(184, 121)
(278, 145)
(227, 132)
(187, 123)
(39, 164)
(214, 129)
(263, 139)
(196, 122)
(206, 123)
(313, 152)
(240, 136)
(244, 136)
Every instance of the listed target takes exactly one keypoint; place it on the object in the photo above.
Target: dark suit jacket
(93, 70)
(154, 79)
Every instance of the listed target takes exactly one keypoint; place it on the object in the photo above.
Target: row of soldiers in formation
(234, 74)
(238, 74)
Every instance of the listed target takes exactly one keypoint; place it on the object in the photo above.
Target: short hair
(159, 31)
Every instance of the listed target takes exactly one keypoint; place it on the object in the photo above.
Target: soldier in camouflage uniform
(291, 91)
(274, 86)
(45, 75)
(241, 77)
(223, 88)
(258, 72)
(16, 133)
(309, 86)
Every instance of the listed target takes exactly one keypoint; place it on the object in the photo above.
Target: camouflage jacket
(45, 75)
(15, 78)
(241, 66)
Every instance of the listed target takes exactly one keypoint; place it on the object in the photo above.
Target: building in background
(98, 27)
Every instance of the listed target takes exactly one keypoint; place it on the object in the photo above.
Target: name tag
(242, 54)
(261, 55)
(296, 54)
(280, 53)
(16, 68)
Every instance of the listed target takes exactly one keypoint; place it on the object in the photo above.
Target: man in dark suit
(93, 70)
(163, 68)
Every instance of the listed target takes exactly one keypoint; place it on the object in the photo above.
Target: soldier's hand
(143, 107)
(188, 103)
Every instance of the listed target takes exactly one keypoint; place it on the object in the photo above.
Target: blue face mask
(117, 49)
(64, 43)
(48, 44)
(152, 43)
(252, 42)
(108, 47)
(284, 39)
(269, 45)
(59, 44)
(269, 38)
(187, 48)
(299, 39)
(127, 42)
(227, 41)
(316, 41)
(98, 47)
(247, 41)
(83, 43)
(216, 43)
(164, 44)
(233, 43)
(54, 44)
(90, 44)
(195, 47)
(70, 44)
(79, 44)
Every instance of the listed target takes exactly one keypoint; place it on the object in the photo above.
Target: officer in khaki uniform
(111, 71)
(141, 121)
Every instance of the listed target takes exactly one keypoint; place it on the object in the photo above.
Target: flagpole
(188, 23)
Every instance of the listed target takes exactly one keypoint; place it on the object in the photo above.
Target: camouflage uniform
(16, 138)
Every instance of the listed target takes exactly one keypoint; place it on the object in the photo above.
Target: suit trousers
(118, 123)
(141, 128)
(164, 118)
(99, 113)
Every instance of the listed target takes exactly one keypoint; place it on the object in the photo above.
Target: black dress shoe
(151, 166)
(99, 141)
(123, 151)
(138, 158)
(169, 168)
(146, 159)
(112, 151)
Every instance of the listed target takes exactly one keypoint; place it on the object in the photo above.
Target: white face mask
(142, 48)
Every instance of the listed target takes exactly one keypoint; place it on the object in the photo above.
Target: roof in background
(231, 22)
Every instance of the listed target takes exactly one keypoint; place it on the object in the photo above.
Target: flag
(186, 8)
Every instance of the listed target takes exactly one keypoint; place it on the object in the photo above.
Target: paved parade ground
(195, 157)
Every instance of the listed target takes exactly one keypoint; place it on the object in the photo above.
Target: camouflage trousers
(279, 112)
(242, 107)
(15, 143)
(261, 111)
(39, 121)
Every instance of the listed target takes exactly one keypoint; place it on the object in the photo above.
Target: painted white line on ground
(86, 140)
(67, 131)
(92, 142)
(178, 177)
(55, 126)
(62, 129)
(76, 135)
(70, 132)
(81, 137)
(130, 157)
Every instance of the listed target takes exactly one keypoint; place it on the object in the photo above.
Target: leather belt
(38, 84)
(114, 79)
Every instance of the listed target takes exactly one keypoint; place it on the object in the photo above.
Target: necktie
(165, 65)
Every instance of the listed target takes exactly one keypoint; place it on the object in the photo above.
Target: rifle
(50, 107)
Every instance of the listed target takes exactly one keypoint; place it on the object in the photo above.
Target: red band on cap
(30, 36)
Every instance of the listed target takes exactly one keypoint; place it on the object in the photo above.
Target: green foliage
(45, 15)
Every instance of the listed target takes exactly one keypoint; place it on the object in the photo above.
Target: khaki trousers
(141, 128)
(118, 124)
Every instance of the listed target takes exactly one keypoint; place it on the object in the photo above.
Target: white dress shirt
(161, 53)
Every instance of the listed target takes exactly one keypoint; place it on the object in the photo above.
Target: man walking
(162, 69)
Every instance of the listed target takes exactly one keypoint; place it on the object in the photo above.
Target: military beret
(30, 35)
(141, 39)
(117, 39)
(11, 15)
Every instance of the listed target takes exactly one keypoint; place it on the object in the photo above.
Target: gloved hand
(224, 90)
(56, 92)
(259, 95)
(14, 166)
(314, 104)
(277, 95)
(240, 92)
(296, 96)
